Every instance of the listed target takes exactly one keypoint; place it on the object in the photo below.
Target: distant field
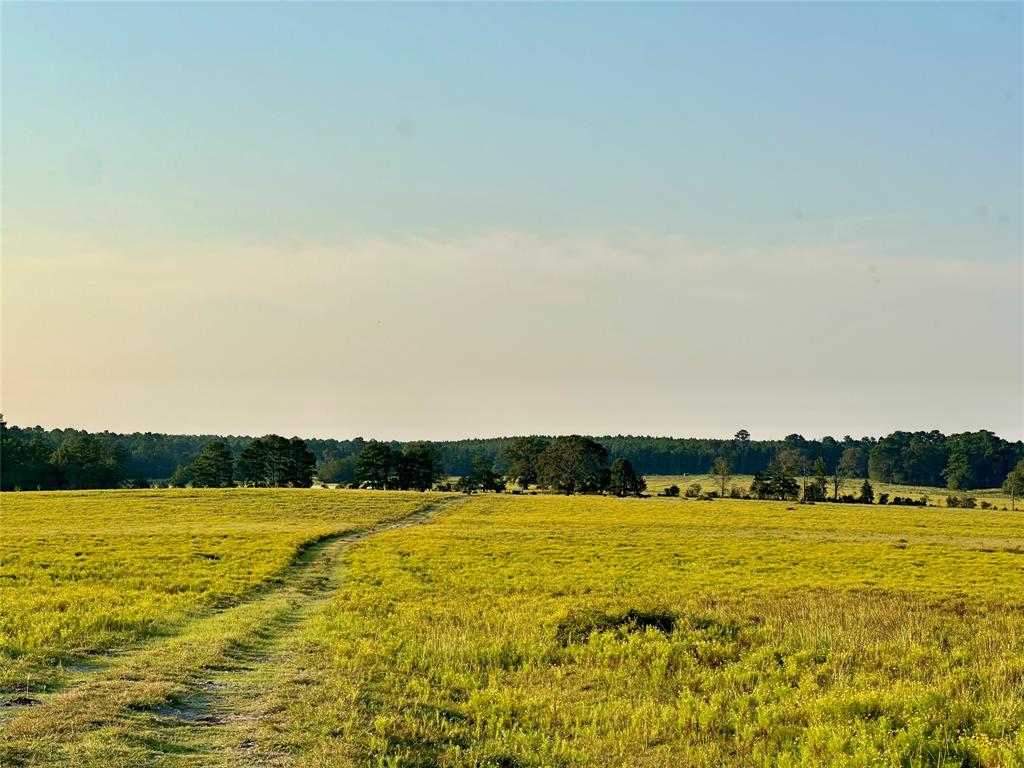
(936, 496)
(514, 631)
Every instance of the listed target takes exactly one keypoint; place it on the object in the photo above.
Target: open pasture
(515, 631)
(539, 631)
(89, 571)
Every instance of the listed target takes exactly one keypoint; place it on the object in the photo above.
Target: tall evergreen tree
(418, 467)
(214, 467)
(623, 479)
(274, 462)
(300, 466)
(375, 465)
(251, 468)
(86, 461)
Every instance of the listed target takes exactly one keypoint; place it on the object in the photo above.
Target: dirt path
(223, 711)
(196, 698)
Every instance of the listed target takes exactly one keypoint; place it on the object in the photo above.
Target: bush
(672, 490)
(814, 491)
(883, 498)
(906, 501)
(967, 502)
(693, 491)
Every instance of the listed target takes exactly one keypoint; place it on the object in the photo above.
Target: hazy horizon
(458, 438)
(437, 222)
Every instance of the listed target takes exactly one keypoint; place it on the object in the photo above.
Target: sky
(426, 221)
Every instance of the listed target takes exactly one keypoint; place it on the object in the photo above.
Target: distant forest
(31, 457)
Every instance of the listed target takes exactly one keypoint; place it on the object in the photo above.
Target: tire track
(190, 699)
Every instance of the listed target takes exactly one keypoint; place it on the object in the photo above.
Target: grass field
(532, 631)
(936, 496)
(90, 571)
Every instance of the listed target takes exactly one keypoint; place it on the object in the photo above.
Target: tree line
(82, 461)
(271, 461)
(69, 458)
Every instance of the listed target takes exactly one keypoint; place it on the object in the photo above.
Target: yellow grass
(936, 496)
(87, 571)
(519, 631)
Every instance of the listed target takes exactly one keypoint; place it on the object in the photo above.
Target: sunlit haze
(440, 221)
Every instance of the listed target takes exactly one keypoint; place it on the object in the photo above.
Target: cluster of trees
(81, 460)
(271, 461)
(960, 462)
(78, 461)
(382, 466)
(481, 477)
(963, 461)
(570, 464)
(276, 462)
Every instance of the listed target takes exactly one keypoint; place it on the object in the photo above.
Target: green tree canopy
(1014, 483)
(522, 455)
(214, 467)
(574, 464)
(417, 467)
(481, 478)
(374, 466)
(276, 462)
(87, 461)
(623, 479)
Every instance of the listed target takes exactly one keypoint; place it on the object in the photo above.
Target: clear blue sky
(631, 144)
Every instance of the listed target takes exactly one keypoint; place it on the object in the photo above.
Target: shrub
(814, 491)
(672, 490)
(693, 491)
(577, 626)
